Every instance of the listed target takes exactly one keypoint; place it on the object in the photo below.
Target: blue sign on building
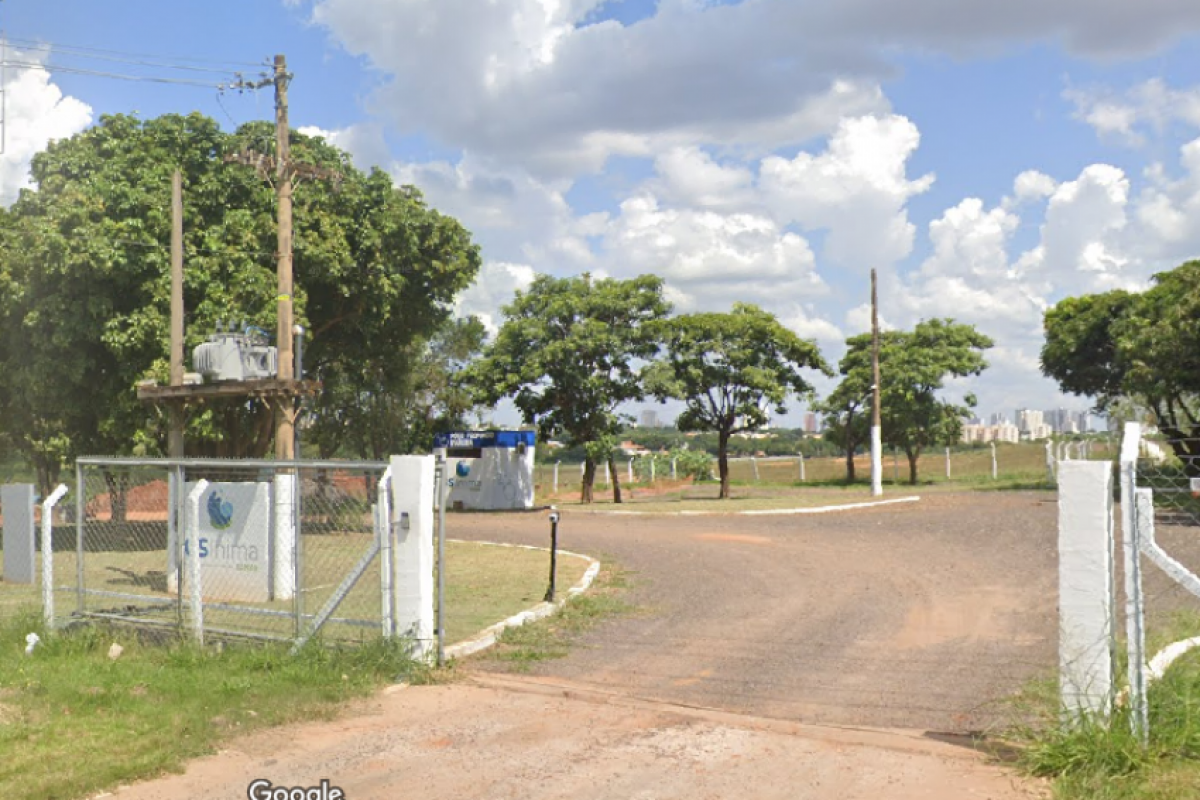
(470, 440)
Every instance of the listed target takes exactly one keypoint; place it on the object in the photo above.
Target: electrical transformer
(234, 356)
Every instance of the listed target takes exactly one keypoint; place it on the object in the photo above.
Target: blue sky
(989, 159)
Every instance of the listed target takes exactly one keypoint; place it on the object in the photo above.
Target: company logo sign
(220, 511)
(462, 469)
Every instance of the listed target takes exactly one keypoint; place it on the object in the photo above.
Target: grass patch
(518, 649)
(1094, 761)
(74, 721)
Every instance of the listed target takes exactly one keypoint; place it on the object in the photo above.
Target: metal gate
(260, 549)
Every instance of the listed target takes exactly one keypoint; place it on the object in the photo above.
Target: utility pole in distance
(876, 414)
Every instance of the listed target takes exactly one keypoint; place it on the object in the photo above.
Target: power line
(33, 65)
(83, 51)
(25, 44)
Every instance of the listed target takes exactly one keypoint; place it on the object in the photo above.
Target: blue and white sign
(234, 541)
(488, 470)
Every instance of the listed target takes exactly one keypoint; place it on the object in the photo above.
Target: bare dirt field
(823, 656)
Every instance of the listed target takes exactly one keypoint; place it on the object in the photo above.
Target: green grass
(73, 721)
(520, 648)
(1095, 761)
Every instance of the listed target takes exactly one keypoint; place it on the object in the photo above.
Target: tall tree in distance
(730, 370)
(569, 353)
(914, 368)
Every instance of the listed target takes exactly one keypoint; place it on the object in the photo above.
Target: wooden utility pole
(876, 411)
(284, 420)
(175, 410)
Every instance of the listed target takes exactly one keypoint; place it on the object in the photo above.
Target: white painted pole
(607, 475)
(877, 461)
(652, 469)
(947, 463)
(674, 472)
(1085, 589)
(754, 466)
(631, 471)
(1050, 459)
(413, 560)
(195, 593)
(556, 463)
(802, 467)
(48, 554)
(1134, 630)
(994, 470)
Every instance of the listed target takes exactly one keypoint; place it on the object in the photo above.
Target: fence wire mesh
(1171, 470)
(268, 566)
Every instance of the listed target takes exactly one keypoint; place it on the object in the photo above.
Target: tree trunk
(118, 501)
(723, 464)
(589, 478)
(616, 479)
(850, 448)
(913, 456)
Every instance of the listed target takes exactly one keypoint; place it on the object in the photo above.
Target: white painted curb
(488, 636)
(759, 512)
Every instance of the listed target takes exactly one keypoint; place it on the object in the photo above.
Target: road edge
(488, 636)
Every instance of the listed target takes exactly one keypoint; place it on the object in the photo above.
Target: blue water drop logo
(220, 512)
(462, 469)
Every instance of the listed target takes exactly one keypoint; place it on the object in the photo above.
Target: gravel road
(923, 615)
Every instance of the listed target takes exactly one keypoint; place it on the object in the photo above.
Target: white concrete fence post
(195, 590)
(1135, 631)
(556, 463)
(994, 471)
(1050, 460)
(802, 467)
(754, 466)
(1085, 589)
(947, 463)
(412, 552)
(631, 472)
(48, 554)
(674, 472)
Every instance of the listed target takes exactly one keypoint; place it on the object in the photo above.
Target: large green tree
(569, 353)
(85, 283)
(1118, 347)
(846, 411)
(914, 366)
(730, 370)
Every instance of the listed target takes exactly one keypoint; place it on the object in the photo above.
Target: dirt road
(922, 615)
(790, 632)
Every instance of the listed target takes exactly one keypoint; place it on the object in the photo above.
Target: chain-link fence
(284, 548)
(1161, 574)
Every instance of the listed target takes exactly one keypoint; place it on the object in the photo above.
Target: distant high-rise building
(999, 418)
(1029, 421)
(649, 418)
(810, 422)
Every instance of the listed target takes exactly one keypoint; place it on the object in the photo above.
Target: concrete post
(1085, 588)
(412, 556)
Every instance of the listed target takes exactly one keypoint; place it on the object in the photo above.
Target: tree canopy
(730, 370)
(914, 366)
(568, 354)
(1119, 346)
(85, 284)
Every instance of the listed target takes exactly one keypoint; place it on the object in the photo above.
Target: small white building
(488, 470)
